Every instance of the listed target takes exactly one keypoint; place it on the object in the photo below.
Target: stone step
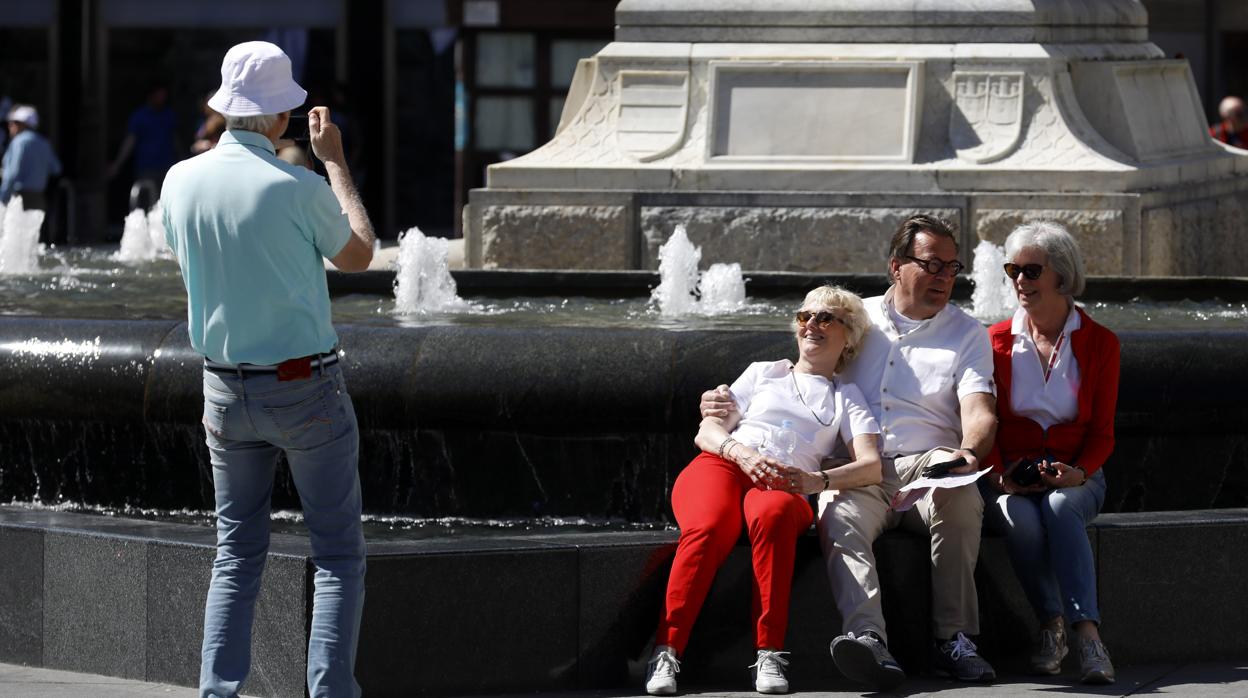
(550, 611)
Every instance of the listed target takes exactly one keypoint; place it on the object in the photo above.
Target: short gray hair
(1058, 246)
(260, 123)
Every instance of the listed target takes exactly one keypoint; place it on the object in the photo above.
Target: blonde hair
(849, 308)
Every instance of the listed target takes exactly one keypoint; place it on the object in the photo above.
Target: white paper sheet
(914, 491)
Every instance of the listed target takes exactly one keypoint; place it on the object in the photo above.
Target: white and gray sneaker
(661, 671)
(768, 670)
(865, 658)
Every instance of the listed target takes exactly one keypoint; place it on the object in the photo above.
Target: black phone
(297, 129)
(942, 469)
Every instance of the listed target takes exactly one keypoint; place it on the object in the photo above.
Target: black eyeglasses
(823, 319)
(934, 266)
(1031, 271)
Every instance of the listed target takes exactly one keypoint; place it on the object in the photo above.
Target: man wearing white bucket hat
(28, 162)
(249, 232)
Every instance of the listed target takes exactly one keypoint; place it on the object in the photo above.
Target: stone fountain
(770, 133)
(796, 134)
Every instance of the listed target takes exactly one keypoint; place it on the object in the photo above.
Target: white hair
(260, 123)
(1058, 246)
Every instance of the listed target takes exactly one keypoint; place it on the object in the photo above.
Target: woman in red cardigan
(1057, 389)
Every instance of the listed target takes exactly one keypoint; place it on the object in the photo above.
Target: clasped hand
(775, 475)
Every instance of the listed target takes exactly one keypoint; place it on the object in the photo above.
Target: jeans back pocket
(306, 423)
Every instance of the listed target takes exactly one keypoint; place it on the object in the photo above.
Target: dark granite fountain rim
(768, 284)
(291, 545)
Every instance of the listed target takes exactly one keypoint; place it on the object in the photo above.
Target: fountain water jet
(19, 238)
(682, 290)
(722, 289)
(678, 275)
(424, 283)
(143, 236)
(993, 298)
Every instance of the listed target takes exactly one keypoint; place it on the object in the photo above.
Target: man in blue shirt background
(28, 162)
(151, 136)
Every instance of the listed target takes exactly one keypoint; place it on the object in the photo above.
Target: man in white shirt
(925, 369)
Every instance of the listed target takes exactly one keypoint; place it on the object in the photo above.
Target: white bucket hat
(255, 80)
(24, 114)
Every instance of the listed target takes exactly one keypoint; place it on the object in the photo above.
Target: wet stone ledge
(520, 422)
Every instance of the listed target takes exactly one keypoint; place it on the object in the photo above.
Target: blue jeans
(1047, 538)
(248, 420)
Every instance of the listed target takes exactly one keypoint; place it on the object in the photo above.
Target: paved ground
(1220, 680)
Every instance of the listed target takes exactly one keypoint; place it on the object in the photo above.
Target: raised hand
(717, 402)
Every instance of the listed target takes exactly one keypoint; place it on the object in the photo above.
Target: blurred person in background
(151, 137)
(1233, 128)
(28, 162)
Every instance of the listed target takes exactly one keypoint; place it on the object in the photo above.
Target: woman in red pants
(733, 483)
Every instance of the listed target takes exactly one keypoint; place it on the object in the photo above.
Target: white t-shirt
(765, 395)
(1046, 402)
(914, 380)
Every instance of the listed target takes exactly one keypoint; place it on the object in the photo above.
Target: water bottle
(782, 443)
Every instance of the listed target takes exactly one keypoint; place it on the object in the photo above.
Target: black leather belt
(329, 358)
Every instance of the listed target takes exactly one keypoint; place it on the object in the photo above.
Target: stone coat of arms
(987, 116)
(652, 111)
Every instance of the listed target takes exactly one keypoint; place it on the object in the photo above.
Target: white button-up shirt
(1051, 401)
(914, 381)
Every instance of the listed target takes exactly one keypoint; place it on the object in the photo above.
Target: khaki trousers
(851, 520)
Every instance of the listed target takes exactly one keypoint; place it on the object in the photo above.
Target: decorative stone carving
(652, 109)
(755, 116)
(1149, 111)
(987, 115)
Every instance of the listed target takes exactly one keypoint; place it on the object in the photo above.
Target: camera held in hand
(1027, 472)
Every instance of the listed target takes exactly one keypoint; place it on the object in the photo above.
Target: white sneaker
(769, 672)
(661, 672)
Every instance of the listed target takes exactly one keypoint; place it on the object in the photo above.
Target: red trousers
(711, 500)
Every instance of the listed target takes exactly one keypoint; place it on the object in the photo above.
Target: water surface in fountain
(89, 283)
(377, 527)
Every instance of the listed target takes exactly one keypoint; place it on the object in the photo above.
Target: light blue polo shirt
(249, 231)
(27, 164)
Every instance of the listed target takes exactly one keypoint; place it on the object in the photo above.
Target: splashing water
(993, 298)
(19, 238)
(143, 236)
(722, 289)
(424, 283)
(676, 293)
(682, 290)
(156, 229)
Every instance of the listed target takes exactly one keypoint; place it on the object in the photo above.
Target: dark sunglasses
(934, 266)
(823, 319)
(1031, 271)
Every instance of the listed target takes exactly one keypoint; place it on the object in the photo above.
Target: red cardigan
(1085, 442)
